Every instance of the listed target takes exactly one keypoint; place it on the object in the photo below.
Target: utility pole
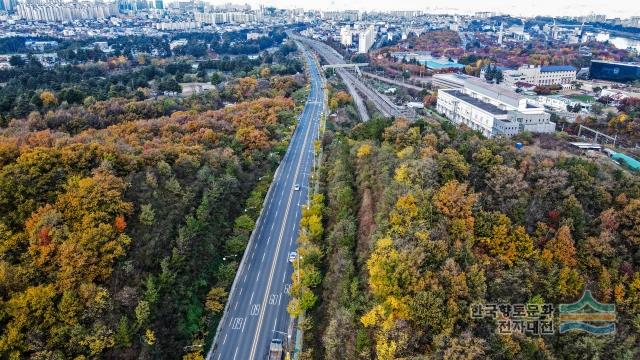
(298, 271)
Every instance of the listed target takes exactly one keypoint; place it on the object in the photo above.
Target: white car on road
(293, 256)
(296, 187)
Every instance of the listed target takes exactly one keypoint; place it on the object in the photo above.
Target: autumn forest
(123, 210)
(422, 220)
(126, 205)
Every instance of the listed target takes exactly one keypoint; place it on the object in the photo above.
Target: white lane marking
(245, 279)
(263, 254)
(235, 353)
(241, 290)
(236, 323)
(235, 307)
(243, 324)
(274, 324)
(224, 341)
(255, 309)
(284, 276)
(251, 300)
(258, 277)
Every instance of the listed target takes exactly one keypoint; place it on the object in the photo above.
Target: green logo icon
(588, 315)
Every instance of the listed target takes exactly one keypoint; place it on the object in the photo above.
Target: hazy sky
(611, 8)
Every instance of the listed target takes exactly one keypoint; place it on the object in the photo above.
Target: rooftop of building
(450, 80)
(615, 62)
(631, 162)
(497, 92)
(490, 108)
(554, 68)
(453, 76)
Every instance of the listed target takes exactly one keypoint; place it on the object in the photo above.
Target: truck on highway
(275, 349)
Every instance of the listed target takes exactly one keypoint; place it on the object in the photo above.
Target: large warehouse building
(491, 109)
(614, 71)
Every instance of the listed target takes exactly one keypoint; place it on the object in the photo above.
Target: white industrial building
(563, 75)
(491, 109)
(256, 35)
(449, 81)
(560, 103)
(517, 33)
(178, 43)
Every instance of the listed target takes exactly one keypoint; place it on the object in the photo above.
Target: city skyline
(571, 8)
(516, 8)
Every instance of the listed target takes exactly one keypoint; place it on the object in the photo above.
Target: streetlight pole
(299, 284)
(298, 276)
(224, 258)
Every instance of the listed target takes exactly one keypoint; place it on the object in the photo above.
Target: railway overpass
(335, 66)
(354, 84)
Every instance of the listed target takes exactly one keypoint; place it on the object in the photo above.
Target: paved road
(384, 105)
(333, 57)
(256, 310)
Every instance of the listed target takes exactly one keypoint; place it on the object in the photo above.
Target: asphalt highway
(256, 311)
(384, 105)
